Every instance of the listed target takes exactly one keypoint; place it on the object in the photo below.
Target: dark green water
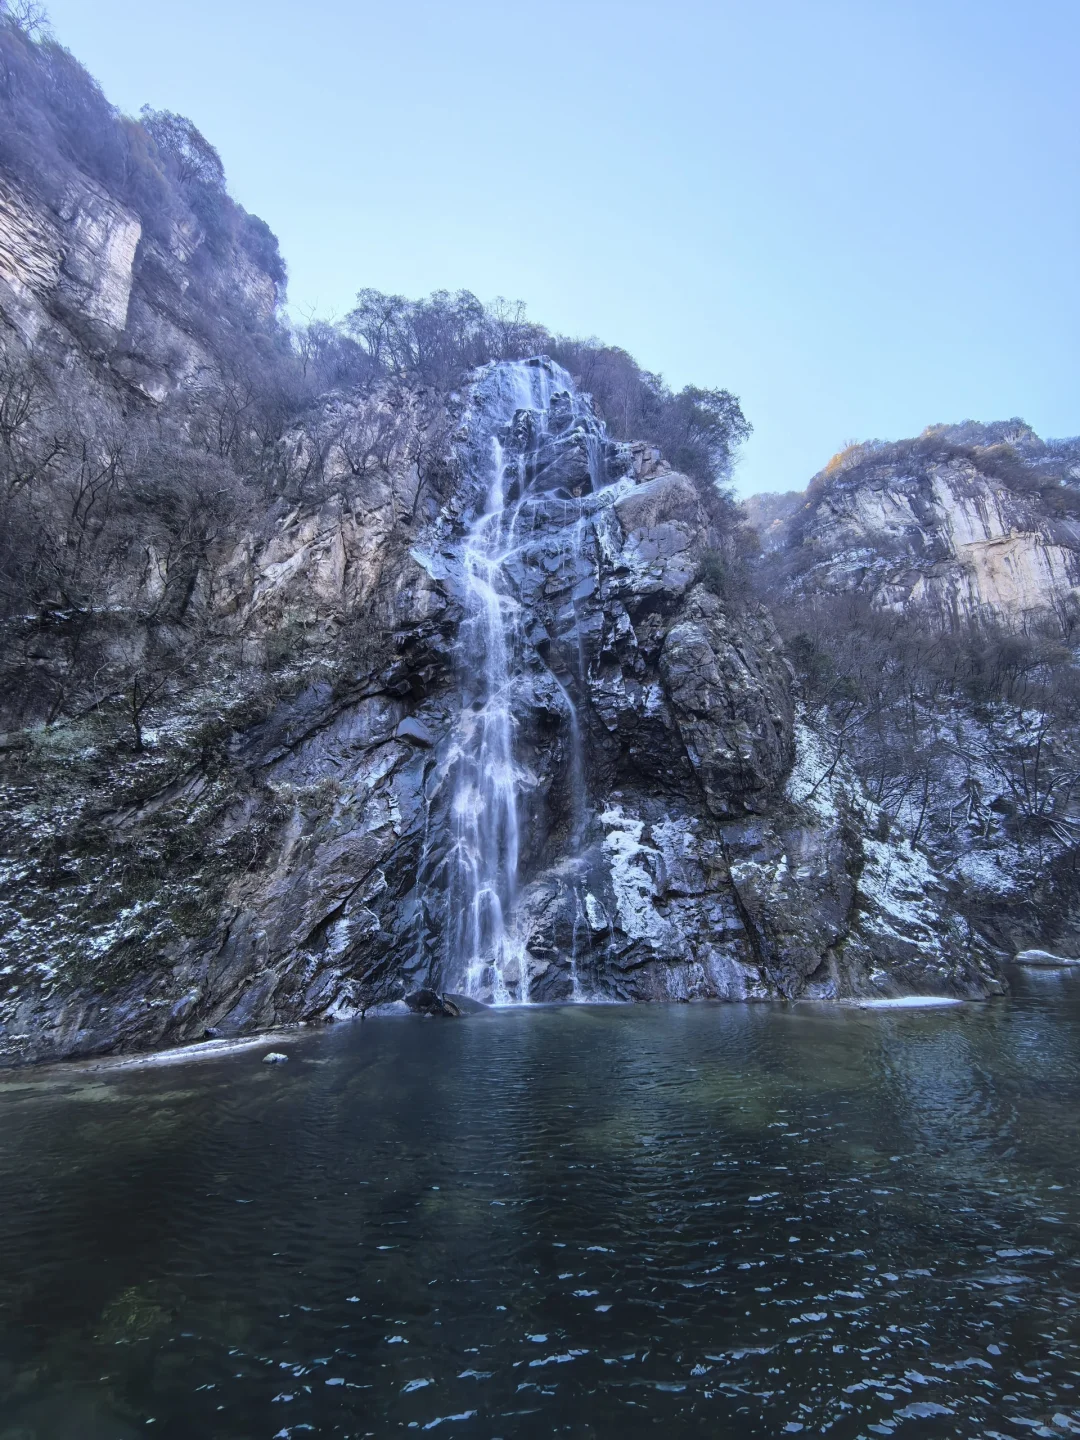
(692, 1220)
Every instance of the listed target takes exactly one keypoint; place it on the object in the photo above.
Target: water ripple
(755, 1221)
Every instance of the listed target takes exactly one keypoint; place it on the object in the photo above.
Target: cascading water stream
(511, 431)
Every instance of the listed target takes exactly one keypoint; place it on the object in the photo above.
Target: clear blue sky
(859, 215)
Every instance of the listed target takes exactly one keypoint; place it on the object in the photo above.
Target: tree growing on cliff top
(25, 15)
(439, 340)
(184, 147)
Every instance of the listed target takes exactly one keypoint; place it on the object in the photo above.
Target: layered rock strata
(968, 522)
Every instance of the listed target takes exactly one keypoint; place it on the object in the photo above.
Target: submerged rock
(466, 1004)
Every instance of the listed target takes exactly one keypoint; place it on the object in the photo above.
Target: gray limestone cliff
(928, 592)
(965, 522)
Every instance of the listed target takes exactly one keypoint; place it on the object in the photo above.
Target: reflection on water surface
(594, 1221)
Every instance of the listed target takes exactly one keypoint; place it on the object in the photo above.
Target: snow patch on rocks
(632, 883)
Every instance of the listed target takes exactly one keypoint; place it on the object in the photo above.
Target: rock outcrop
(967, 522)
(81, 282)
(124, 263)
(929, 591)
(78, 258)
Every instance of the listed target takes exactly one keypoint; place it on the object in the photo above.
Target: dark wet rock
(563, 465)
(415, 730)
(430, 1002)
(730, 693)
(466, 1004)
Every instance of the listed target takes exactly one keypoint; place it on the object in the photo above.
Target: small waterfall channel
(525, 418)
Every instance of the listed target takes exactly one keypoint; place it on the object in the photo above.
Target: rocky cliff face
(928, 590)
(967, 522)
(124, 263)
(82, 283)
(677, 836)
(77, 258)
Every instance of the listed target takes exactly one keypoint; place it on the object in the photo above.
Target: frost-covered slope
(928, 594)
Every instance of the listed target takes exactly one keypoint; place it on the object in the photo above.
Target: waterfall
(522, 417)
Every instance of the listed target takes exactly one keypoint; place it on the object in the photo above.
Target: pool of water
(591, 1221)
